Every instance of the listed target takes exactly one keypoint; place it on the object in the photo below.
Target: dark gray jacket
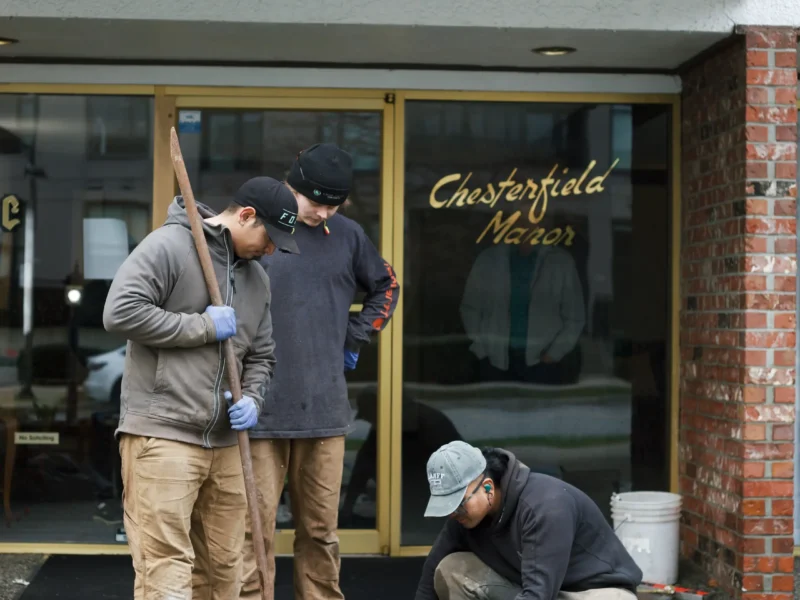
(549, 536)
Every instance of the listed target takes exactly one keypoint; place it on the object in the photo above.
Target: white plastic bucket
(648, 524)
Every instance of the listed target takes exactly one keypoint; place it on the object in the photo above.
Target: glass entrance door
(536, 288)
(226, 141)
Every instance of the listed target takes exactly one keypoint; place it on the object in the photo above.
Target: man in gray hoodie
(177, 440)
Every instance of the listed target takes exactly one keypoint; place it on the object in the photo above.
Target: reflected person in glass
(512, 534)
(425, 428)
(523, 310)
(308, 413)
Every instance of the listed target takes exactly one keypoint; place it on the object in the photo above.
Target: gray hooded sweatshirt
(175, 373)
(548, 536)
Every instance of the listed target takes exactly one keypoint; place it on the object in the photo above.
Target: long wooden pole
(230, 357)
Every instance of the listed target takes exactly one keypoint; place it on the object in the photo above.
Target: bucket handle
(627, 516)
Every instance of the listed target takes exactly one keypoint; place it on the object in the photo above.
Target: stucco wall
(647, 15)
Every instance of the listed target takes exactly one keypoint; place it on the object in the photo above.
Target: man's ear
(247, 215)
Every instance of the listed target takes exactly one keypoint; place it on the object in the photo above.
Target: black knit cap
(322, 173)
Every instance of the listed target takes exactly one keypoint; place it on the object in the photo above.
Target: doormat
(111, 578)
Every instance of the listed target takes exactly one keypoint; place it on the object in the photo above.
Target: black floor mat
(111, 578)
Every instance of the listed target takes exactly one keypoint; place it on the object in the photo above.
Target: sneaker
(110, 514)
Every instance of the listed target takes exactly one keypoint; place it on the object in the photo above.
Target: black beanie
(322, 173)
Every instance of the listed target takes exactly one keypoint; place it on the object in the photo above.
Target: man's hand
(224, 318)
(350, 360)
(243, 414)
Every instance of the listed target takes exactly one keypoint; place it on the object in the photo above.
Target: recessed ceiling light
(7, 41)
(554, 50)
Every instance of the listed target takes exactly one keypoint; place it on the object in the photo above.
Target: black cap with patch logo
(275, 205)
(322, 173)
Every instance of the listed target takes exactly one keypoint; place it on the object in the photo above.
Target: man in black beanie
(301, 431)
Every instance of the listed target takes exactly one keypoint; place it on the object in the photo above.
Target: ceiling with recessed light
(607, 34)
(355, 44)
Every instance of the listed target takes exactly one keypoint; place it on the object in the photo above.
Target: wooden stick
(230, 357)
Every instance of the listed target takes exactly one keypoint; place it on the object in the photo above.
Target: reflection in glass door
(76, 175)
(222, 148)
(536, 285)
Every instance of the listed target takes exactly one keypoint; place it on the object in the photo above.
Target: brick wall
(738, 321)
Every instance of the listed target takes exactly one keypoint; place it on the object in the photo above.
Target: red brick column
(738, 321)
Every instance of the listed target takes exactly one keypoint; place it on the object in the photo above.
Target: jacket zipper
(221, 363)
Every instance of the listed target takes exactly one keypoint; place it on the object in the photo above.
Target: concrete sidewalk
(16, 571)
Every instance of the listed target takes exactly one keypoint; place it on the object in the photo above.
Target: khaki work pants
(315, 470)
(463, 576)
(173, 491)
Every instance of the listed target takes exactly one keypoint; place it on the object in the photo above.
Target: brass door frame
(168, 102)
(673, 100)
(385, 539)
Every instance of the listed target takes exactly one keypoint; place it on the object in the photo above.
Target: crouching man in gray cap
(516, 535)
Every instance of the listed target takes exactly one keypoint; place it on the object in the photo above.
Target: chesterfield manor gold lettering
(557, 184)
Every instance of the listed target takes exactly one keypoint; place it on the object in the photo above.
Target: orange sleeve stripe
(379, 322)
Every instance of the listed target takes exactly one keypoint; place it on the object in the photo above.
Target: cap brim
(283, 240)
(444, 506)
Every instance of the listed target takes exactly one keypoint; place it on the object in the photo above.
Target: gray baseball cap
(450, 471)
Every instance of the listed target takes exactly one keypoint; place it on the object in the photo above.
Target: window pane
(119, 127)
(81, 168)
(536, 312)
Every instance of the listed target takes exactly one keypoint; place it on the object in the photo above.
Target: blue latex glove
(224, 318)
(243, 414)
(350, 360)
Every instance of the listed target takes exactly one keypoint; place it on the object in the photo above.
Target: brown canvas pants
(463, 576)
(315, 470)
(177, 496)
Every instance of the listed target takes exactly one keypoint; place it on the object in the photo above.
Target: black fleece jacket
(549, 536)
